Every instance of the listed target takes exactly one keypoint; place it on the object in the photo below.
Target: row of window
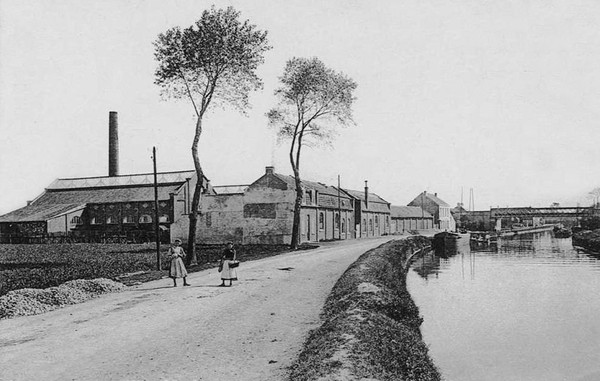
(144, 219)
(337, 222)
(387, 223)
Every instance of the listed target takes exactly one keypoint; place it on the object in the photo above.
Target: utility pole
(339, 222)
(422, 211)
(156, 230)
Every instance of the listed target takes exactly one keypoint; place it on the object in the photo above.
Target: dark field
(47, 265)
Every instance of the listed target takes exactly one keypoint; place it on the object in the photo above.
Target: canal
(528, 309)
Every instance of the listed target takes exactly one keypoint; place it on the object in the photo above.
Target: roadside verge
(370, 324)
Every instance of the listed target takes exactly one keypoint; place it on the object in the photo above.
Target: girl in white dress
(176, 254)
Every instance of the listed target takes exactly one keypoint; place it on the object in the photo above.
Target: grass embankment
(588, 239)
(371, 324)
(48, 265)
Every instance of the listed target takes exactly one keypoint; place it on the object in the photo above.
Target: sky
(501, 97)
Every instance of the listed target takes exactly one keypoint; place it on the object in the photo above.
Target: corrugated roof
(123, 180)
(39, 212)
(409, 212)
(230, 189)
(105, 195)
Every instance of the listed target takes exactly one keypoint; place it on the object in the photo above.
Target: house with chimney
(263, 212)
(439, 209)
(113, 208)
(371, 213)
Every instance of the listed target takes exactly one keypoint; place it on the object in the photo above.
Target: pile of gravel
(33, 301)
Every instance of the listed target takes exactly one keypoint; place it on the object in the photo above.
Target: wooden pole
(339, 221)
(156, 229)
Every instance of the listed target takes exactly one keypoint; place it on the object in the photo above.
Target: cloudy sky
(499, 96)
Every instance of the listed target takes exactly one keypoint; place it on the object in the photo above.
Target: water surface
(526, 310)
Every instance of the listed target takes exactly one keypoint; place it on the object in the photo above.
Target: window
(377, 221)
(343, 226)
(208, 219)
(127, 220)
(321, 221)
(163, 218)
(364, 224)
(111, 220)
(94, 221)
(308, 197)
(370, 225)
(349, 226)
(145, 219)
(76, 220)
(337, 221)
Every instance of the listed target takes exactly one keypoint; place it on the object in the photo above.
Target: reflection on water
(525, 309)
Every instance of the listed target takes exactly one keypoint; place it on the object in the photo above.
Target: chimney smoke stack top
(113, 144)
(366, 194)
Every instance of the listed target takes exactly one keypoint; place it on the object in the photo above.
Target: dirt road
(251, 331)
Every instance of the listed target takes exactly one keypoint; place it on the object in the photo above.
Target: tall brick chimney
(366, 195)
(113, 144)
(269, 170)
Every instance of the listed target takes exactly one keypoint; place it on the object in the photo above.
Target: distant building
(409, 218)
(438, 208)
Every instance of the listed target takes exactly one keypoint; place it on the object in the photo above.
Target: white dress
(177, 267)
(228, 273)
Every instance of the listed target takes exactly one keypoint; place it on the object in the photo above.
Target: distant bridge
(530, 212)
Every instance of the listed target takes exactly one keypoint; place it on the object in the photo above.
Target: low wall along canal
(525, 310)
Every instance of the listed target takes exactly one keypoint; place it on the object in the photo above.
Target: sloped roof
(320, 187)
(430, 196)
(361, 196)
(122, 180)
(436, 199)
(409, 212)
(41, 212)
(65, 194)
(105, 195)
(229, 189)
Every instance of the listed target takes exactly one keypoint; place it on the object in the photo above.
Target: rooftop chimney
(269, 170)
(113, 144)
(366, 195)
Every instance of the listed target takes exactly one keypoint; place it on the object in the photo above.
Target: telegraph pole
(339, 211)
(156, 230)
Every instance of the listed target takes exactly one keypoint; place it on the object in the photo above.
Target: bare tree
(214, 61)
(313, 100)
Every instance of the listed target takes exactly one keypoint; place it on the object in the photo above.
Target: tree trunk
(297, 209)
(295, 242)
(192, 257)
